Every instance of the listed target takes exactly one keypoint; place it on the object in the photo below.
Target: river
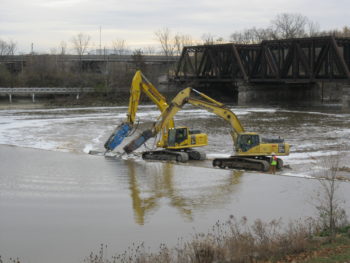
(58, 203)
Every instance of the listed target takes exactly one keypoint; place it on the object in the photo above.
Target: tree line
(51, 70)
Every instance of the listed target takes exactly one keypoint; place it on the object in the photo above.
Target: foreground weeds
(231, 241)
(236, 240)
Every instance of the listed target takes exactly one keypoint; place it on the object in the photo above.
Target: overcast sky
(48, 22)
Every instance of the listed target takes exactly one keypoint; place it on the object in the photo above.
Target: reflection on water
(161, 184)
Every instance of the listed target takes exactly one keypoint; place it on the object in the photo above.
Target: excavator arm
(140, 84)
(220, 110)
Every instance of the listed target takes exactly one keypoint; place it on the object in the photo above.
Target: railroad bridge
(275, 70)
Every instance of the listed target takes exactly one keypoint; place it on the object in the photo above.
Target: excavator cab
(177, 136)
(247, 141)
(182, 137)
(251, 144)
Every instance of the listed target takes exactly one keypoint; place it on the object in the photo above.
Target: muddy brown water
(57, 203)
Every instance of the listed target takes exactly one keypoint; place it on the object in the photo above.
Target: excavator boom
(139, 84)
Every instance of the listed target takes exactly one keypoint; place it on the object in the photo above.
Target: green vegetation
(337, 251)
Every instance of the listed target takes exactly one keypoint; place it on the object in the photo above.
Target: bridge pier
(33, 97)
(346, 97)
(307, 94)
(10, 98)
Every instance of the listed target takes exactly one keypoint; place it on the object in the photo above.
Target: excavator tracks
(196, 155)
(179, 156)
(164, 155)
(242, 163)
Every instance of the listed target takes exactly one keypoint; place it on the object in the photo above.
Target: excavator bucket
(136, 143)
(117, 136)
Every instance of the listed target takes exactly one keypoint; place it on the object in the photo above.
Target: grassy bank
(90, 100)
(85, 100)
(237, 241)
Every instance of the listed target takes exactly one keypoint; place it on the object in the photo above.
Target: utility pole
(100, 42)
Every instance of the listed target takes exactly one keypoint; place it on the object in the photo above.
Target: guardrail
(44, 90)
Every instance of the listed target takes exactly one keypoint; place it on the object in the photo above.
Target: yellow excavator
(171, 151)
(252, 152)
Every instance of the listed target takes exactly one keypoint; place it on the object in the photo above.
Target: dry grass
(231, 241)
(236, 241)
(11, 260)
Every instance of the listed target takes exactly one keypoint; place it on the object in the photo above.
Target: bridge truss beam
(290, 60)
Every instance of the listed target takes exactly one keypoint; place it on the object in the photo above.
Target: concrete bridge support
(279, 93)
(346, 97)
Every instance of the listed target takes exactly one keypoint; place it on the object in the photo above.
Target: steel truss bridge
(298, 60)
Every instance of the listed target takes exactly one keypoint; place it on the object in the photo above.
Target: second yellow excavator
(252, 152)
(177, 149)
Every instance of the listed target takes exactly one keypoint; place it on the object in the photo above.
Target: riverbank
(122, 99)
(97, 99)
(85, 100)
(238, 242)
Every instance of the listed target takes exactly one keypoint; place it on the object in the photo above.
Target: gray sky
(48, 22)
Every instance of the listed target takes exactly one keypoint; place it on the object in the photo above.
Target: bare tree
(283, 26)
(164, 38)
(149, 50)
(62, 48)
(6, 78)
(247, 36)
(290, 25)
(7, 48)
(12, 47)
(81, 43)
(138, 59)
(331, 213)
(313, 28)
(346, 31)
(180, 41)
(265, 34)
(220, 40)
(208, 39)
(3, 48)
(119, 47)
